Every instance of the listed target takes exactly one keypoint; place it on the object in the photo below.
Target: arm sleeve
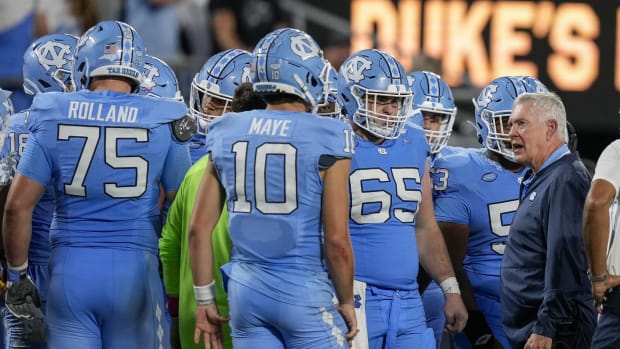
(607, 165)
(451, 209)
(565, 268)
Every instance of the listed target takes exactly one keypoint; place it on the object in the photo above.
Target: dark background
(594, 112)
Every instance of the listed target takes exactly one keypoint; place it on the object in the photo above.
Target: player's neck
(294, 106)
(505, 163)
(364, 134)
(110, 84)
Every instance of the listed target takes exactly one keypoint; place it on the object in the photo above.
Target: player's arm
(456, 237)
(23, 196)
(22, 297)
(207, 209)
(4, 192)
(596, 224)
(170, 245)
(596, 227)
(337, 243)
(8, 165)
(431, 245)
(477, 330)
(435, 260)
(170, 252)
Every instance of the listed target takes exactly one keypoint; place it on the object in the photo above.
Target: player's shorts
(395, 319)
(261, 322)
(105, 298)
(486, 293)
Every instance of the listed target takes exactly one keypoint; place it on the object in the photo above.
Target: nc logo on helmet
(304, 47)
(354, 71)
(486, 97)
(152, 73)
(246, 75)
(53, 54)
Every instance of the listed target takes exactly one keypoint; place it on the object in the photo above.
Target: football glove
(22, 301)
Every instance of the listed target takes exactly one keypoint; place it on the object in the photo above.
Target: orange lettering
(465, 45)
(507, 42)
(575, 63)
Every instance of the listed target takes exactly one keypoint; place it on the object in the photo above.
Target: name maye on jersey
(270, 127)
(102, 112)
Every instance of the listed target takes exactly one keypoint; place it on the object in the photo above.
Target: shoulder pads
(184, 128)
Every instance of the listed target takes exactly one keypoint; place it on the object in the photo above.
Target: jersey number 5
(496, 211)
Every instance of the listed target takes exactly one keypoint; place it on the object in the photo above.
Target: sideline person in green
(174, 249)
(174, 254)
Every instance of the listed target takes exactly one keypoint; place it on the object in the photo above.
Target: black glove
(22, 301)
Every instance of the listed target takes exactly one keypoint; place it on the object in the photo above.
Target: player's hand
(537, 341)
(209, 322)
(599, 289)
(456, 314)
(23, 302)
(348, 313)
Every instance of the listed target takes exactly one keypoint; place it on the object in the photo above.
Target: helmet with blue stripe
(214, 86)
(368, 82)
(290, 61)
(494, 106)
(432, 97)
(109, 49)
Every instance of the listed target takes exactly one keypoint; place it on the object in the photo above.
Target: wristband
(598, 278)
(14, 274)
(450, 285)
(205, 294)
(19, 268)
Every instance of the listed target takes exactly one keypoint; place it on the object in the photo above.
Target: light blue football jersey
(386, 190)
(197, 147)
(106, 153)
(268, 163)
(471, 189)
(16, 138)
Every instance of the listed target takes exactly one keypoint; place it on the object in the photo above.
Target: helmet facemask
(371, 117)
(327, 105)
(206, 106)
(498, 138)
(438, 139)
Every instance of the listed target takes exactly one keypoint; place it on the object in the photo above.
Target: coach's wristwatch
(598, 278)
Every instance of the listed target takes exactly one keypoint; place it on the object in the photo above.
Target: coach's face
(529, 136)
